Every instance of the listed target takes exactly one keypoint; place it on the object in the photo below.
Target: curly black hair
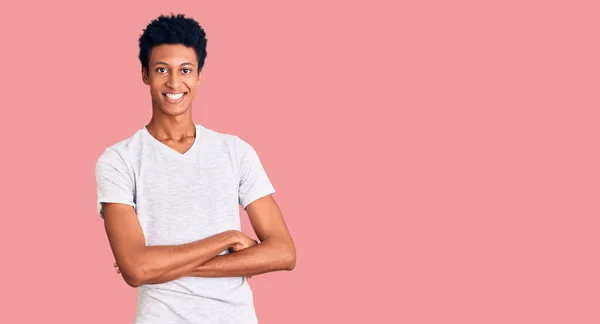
(174, 29)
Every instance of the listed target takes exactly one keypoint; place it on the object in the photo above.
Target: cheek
(155, 91)
(190, 84)
(155, 86)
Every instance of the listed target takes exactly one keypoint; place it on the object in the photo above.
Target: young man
(169, 197)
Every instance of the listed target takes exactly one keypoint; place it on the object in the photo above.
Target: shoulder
(231, 142)
(121, 151)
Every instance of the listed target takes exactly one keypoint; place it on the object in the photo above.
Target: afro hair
(174, 29)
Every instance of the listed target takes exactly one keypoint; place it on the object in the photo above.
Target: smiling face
(172, 76)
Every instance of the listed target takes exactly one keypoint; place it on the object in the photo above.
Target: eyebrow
(182, 64)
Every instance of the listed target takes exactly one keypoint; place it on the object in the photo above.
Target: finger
(118, 271)
(115, 265)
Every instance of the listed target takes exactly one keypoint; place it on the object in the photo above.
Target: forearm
(267, 256)
(159, 264)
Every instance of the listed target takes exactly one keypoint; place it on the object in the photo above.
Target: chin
(173, 112)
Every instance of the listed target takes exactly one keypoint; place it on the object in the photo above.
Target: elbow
(135, 268)
(291, 265)
(132, 281)
(133, 276)
(283, 255)
(290, 260)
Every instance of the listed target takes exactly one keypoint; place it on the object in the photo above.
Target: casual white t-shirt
(180, 198)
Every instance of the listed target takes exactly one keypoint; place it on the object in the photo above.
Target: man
(169, 197)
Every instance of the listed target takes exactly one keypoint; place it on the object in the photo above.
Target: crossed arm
(140, 264)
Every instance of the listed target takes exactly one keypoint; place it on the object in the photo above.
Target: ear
(145, 77)
(199, 77)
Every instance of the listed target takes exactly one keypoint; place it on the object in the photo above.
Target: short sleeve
(114, 183)
(254, 182)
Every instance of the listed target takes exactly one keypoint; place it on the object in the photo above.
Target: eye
(161, 70)
(187, 71)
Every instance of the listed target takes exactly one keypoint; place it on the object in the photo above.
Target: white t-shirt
(180, 198)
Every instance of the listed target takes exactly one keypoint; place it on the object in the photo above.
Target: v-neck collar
(168, 150)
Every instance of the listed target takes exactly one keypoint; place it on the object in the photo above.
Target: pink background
(436, 162)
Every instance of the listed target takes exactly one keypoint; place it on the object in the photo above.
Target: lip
(174, 101)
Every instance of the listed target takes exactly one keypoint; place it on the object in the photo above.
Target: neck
(174, 127)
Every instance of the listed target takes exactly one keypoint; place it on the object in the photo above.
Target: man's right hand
(243, 242)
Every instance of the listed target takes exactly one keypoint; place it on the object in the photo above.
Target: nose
(173, 81)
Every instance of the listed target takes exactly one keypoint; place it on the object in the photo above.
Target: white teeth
(174, 96)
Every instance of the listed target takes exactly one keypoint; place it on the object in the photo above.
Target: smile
(174, 97)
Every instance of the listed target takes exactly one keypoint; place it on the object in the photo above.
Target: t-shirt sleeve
(114, 183)
(254, 182)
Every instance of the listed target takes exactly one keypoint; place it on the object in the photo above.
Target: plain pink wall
(436, 162)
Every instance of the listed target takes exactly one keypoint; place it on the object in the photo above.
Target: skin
(172, 69)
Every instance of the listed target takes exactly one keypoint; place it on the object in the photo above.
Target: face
(172, 76)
